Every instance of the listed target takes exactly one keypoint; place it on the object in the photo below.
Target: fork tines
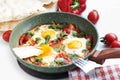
(85, 65)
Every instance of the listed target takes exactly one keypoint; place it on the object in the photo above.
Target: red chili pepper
(72, 6)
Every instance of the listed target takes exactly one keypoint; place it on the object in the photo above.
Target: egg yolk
(49, 32)
(45, 50)
(75, 44)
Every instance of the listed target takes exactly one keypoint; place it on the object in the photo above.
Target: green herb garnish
(75, 34)
(72, 56)
(57, 49)
(62, 47)
(60, 26)
(37, 59)
(88, 43)
(30, 33)
(53, 25)
(81, 34)
(56, 26)
(55, 40)
(84, 50)
(47, 38)
(60, 61)
(61, 35)
(37, 39)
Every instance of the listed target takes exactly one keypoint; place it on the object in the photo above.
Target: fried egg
(44, 51)
(74, 45)
(42, 32)
(47, 54)
(46, 31)
(52, 33)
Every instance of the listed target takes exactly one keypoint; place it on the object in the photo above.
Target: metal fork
(85, 65)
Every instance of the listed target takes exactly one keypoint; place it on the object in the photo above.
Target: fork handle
(100, 56)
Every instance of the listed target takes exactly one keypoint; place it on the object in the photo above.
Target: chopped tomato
(24, 38)
(66, 29)
(89, 38)
(70, 27)
(55, 44)
(63, 55)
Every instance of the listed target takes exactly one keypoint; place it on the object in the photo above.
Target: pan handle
(100, 56)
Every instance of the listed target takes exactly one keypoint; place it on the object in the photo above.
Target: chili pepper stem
(75, 4)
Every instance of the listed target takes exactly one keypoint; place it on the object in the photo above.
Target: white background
(109, 11)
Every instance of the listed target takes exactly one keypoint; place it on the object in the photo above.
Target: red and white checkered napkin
(111, 72)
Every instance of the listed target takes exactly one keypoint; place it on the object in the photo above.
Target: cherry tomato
(109, 38)
(6, 35)
(93, 16)
(115, 44)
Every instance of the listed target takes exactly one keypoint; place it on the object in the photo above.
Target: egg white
(26, 51)
(38, 35)
(49, 58)
(75, 51)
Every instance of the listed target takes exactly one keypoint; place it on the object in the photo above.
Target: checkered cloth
(111, 72)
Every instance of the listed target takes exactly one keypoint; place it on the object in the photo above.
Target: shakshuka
(54, 44)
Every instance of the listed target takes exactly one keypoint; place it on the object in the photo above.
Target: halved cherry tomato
(115, 44)
(6, 35)
(109, 38)
(93, 16)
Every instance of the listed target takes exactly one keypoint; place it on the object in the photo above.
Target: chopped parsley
(47, 38)
(56, 26)
(57, 49)
(30, 33)
(88, 43)
(72, 56)
(37, 59)
(60, 61)
(75, 34)
(37, 39)
(84, 50)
